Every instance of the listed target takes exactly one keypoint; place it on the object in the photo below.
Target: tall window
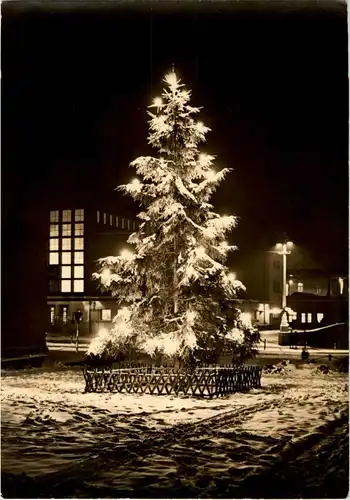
(53, 258)
(111, 220)
(66, 258)
(78, 286)
(54, 216)
(54, 244)
(309, 317)
(79, 215)
(104, 218)
(134, 225)
(128, 225)
(79, 229)
(66, 215)
(117, 221)
(66, 229)
(320, 317)
(66, 286)
(78, 257)
(79, 272)
(66, 243)
(66, 272)
(300, 287)
(98, 216)
(106, 315)
(53, 230)
(52, 315)
(78, 243)
(64, 314)
(303, 317)
(122, 223)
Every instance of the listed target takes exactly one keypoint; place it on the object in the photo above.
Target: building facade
(315, 297)
(77, 238)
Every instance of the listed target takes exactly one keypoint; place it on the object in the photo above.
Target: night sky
(273, 80)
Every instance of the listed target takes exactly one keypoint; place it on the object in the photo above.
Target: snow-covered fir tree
(174, 291)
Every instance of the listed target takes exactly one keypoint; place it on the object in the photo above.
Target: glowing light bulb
(105, 275)
(135, 184)
(157, 102)
(126, 255)
(210, 175)
(171, 79)
(200, 251)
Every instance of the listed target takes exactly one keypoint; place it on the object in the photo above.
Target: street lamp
(284, 249)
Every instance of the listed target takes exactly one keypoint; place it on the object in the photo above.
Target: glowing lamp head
(126, 255)
(289, 244)
(279, 246)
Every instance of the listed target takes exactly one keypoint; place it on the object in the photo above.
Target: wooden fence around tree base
(205, 381)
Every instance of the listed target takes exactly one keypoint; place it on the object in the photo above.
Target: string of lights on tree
(174, 290)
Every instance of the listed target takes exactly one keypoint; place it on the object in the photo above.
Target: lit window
(52, 315)
(318, 290)
(300, 287)
(66, 243)
(292, 316)
(66, 272)
(134, 225)
(98, 216)
(128, 225)
(303, 317)
(54, 216)
(111, 220)
(66, 258)
(66, 286)
(320, 317)
(104, 218)
(66, 215)
(79, 215)
(53, 230)
(106, 315)
(54, 244)
(78, 257)
(78, 285)
(66, 230)
(65, 314)
(78, 271)
(79, 229)
(117, 221)
(122, 223)
(78, 243)
(309, 317)
(53, 258)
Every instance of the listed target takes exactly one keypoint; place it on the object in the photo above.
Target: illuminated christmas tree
(174, 290)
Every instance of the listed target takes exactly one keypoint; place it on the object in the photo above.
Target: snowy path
(99, 445)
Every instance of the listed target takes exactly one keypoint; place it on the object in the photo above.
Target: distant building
(77, 238)
(314, 296)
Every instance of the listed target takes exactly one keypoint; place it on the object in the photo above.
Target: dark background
(77, 79)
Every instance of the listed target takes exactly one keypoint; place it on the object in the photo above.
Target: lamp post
(284, 250)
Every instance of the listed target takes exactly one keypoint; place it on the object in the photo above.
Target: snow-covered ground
(270, 442)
